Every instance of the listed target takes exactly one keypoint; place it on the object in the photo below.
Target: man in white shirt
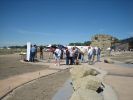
(57, 54)
(90, 53)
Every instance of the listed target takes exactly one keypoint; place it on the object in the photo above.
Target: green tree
(86, 43)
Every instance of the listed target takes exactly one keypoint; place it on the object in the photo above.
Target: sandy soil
(122, 85)
(10, 65)
(120, 78)
(123, 56)
(41, 89)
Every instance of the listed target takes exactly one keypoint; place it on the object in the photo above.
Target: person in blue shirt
(32, 53)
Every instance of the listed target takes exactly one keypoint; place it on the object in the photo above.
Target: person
(108, 51)
(71, 58)
(67, 56)
(76, 55)
(82, 54)
(90, 52)
(35, 51)
(32, 53)
(41, 52)
(98, 53)
(93, 54)
(57, 54)
(61, 53)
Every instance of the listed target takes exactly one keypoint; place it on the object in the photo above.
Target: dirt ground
(44, 88)
(120, 78)
(123, 57)
(41, 89)
(10, 65)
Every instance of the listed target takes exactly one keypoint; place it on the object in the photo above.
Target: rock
(88, 82)
(108, 61)
(79, 72)
(85, 94)
(94, 72)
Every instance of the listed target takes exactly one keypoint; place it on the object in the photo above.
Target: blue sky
(63, 21)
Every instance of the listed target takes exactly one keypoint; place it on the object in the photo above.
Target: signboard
(28, 51)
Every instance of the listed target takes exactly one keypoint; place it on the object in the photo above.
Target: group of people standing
(72, 55)
(75, 55)
(33, 53)
(92, 52)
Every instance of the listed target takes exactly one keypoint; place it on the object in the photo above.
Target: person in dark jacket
(32, 53)
(67, 56)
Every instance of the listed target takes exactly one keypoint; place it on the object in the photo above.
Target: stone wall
(102, 40)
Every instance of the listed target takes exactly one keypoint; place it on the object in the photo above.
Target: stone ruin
(85, 83)
(103, 41)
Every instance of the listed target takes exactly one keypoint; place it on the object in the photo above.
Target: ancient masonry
(103, 41)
